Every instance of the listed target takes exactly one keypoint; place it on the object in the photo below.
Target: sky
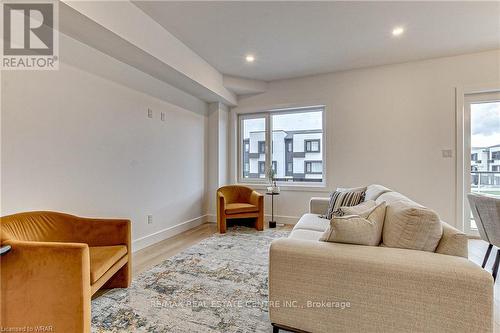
(286, 122)
(485, 124)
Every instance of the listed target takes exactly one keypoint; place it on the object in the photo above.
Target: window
(312, 146)
(494, 155)
(281, 140)
(495, 168)
(473, 157)
(253, 137)
(313, 167)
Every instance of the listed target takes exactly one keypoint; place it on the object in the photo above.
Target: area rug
(218, 285)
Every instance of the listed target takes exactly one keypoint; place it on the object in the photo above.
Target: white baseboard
(282, 219)
(143, 242)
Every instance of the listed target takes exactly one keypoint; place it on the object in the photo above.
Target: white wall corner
(217, 150)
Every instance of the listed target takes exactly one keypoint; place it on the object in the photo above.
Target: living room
(250, 166)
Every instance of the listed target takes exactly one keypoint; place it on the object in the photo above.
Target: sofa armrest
(46, 284)
(329, 287)
(318, 205)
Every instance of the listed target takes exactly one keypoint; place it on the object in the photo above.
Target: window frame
(267, 115)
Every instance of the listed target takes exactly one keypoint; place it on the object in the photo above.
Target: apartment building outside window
(312, 146)
(290, 141)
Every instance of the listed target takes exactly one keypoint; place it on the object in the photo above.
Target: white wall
(81, 143)
(217, 153)
(384, 125)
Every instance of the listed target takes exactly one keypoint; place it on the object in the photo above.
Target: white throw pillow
(411, 226)
(361, 209)
(355, 229)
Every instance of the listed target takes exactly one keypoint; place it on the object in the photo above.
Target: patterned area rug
(218, 285)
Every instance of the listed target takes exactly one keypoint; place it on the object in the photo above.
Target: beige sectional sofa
(318, 286)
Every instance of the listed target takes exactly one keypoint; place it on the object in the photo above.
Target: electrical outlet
(150, 219)
(163, 116)
(150, 113)
(447, 153)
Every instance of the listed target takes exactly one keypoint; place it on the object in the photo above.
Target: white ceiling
(291, 39)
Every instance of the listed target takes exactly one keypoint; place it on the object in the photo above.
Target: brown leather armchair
(236, 201)
(57, 261)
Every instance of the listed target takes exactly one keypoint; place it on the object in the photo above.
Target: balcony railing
(486, 182)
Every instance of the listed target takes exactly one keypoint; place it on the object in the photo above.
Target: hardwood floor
(155, 254)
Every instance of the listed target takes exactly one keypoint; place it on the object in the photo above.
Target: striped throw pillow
(342, 199)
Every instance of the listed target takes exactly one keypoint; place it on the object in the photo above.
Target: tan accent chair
(57, 262)
(237, 202)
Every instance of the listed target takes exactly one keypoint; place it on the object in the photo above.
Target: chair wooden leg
(276, 329)
(495, 266)
(487, 255)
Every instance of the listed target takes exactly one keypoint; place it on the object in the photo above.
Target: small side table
(272, 223)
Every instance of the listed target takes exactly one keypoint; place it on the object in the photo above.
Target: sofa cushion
(343, 198)
(363, 207)
(410, 226)
(236, 208)
(390, 197)
(453, 242)
(102, 258)
(355, 229)
(312, 222)
(374, 191)
(304, 234)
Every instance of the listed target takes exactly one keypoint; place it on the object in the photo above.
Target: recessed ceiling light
(250, 58)
(398, 31)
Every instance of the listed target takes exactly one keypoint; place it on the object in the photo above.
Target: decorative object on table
(271, 176)
(5, 249)
(486, 212)
(272, 223)
(57, 263)
(236, 201)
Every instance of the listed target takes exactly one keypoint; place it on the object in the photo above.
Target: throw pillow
(343, 198)
(355, 229)
(411, 226)
(361, 209)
